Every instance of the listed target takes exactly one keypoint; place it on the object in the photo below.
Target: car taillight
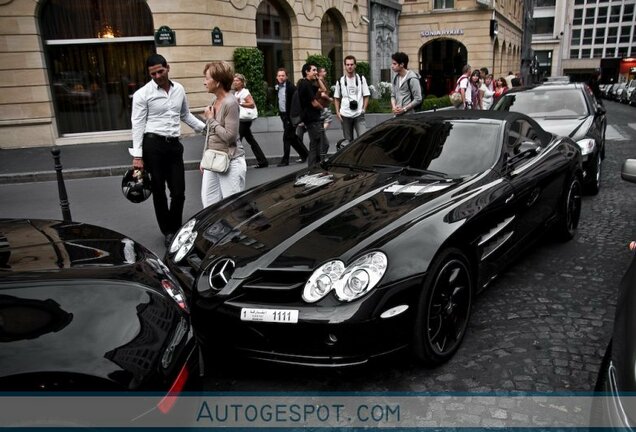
(175, 293)
(168, 401)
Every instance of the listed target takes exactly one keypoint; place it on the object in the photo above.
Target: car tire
(444, 308)
(569, 210)
(593, 185)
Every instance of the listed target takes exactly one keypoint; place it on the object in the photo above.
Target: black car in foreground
(568, 110)
(616, 383)
(83, 308)
(381, 247)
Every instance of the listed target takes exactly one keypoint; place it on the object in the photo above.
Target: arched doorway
(331, 38)
(273, 38)
(441, 63)
(95, 52)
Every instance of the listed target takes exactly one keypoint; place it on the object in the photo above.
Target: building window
(574, 53)
(578, 17)
(544, 60)
(544, 25)
(273, 38)
(598, 52)
(615, 14)
(587, 37)
(331, 38)
(545, 3)
(579, 2)
(628, 12)
(599, 39)
(589, 15)
(612, 32)
(444, 4)
(601, 19)
(96, 54)
(585, 53)
(625, 31)
(576, 37)
(622, 52)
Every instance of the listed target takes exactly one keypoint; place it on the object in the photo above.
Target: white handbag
(248, 113)
(215, 160)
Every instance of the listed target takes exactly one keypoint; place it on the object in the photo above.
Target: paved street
(542, 326)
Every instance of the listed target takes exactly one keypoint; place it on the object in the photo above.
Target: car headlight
(348, 283)
(322, 281)
(183, 241)
(587, 146)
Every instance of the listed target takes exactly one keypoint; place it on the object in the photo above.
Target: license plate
(270, 315)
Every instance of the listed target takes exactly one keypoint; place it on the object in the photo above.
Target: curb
(82, 173)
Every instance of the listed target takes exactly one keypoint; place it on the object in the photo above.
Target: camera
(353, 105)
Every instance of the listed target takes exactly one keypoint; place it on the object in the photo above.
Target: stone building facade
(440, 36)
(69, 68)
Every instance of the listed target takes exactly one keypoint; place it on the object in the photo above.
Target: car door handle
(510, 198)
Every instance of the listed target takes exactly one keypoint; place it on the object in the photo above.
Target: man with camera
(351, 98)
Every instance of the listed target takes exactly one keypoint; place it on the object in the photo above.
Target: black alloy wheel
(570, 211)
(444, 308)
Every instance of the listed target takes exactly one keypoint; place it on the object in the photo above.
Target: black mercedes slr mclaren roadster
(381, 247)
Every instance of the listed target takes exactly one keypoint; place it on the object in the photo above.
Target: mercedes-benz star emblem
(221, 273)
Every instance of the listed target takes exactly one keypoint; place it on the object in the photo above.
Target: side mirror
(628, 172)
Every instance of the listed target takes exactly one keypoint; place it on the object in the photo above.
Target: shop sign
(217, 37)
(448, 32)
(165, 36)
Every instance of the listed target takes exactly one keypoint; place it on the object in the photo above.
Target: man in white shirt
(351, 98)
(157, 111)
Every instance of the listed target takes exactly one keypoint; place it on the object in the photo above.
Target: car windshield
(545, 103)
(454, 148)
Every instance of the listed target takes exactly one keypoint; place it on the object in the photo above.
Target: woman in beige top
(222, 120)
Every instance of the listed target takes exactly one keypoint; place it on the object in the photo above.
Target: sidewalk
(36, 164)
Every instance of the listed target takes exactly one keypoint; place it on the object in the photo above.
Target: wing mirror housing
(628, 171)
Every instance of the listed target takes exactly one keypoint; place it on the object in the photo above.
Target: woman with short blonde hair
(222, 121)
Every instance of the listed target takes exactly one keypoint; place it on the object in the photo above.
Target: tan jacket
(223, 128)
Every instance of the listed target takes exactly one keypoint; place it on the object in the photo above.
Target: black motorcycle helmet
(136, 185)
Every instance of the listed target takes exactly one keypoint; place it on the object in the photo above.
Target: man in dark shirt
(310, 114)
(285, 93)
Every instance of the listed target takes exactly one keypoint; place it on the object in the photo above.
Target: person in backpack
(462, 85)
(286, 91)
(351, 98)
(406, 93)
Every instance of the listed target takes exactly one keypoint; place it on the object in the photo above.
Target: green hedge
(249, 62)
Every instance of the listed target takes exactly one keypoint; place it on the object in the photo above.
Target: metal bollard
(66, 211)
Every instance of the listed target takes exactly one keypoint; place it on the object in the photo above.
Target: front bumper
(332, 335)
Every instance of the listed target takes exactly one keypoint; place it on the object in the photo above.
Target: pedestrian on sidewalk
(406, 92)
(157, 109)
(351, 99)
(308, 93)
(222, 119)
(325, 114)
(286, 90)
(246, 100)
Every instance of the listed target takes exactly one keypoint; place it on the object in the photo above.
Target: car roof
(555, 86)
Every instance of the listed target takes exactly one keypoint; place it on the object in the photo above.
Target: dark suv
(567, 110)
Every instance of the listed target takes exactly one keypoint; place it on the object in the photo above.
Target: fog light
(331, 339)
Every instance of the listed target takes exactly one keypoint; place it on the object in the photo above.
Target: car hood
(574, 128)
(112, 331)
(299, 223)
(49, 245)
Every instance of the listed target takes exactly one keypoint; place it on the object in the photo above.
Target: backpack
(295, 111)
(455, 95)
(408, 83)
